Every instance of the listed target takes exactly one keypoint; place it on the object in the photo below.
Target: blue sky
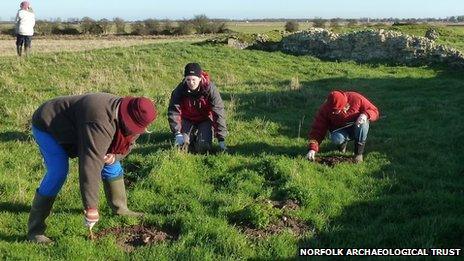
(237, 9)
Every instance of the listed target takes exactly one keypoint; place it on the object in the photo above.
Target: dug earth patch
(331, 161)
(128, 238)
(276, 226)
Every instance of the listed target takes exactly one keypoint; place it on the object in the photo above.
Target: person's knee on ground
(340, 140)
(203, 146)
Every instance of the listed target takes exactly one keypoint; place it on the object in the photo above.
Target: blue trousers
(356, 133)
(57, 164)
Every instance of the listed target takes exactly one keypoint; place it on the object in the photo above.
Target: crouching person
(99, 129)
(195, 109)
(346, 115)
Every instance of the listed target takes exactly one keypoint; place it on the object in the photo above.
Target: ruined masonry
(371, 45)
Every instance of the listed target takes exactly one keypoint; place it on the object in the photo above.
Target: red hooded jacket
(325, 120)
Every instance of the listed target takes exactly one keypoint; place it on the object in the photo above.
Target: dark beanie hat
(192, 69)
(137, 113)
(337, 100)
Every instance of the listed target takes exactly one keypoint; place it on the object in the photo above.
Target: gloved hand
(222, 145)
(362, 118)
(311, 155)
(91, 217)
(109, 158)
(179, 139)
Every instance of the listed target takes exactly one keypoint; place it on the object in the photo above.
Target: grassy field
(53, 44)
(408, 193)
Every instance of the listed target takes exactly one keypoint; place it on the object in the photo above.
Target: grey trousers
(198, 137)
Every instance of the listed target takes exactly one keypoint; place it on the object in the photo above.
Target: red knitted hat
(137, 113)
(337, 100)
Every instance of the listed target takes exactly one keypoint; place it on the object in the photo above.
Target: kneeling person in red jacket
(195, 109)
(346, 115)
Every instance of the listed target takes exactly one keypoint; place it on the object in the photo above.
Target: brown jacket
(85, 126)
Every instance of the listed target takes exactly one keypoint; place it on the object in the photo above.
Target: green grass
(408, 193)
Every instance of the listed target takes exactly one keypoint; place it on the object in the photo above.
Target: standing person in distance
(25, 22)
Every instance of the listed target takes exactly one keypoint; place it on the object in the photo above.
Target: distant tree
(105, 25)
(453, 19)
(292, 26)
(185, 28)
(43, 27)
(220, 27)
(90, 26)
(319, 22)
(86, 25)
(72, 20)
(138, 28)
(168, 27)
(120, 25)
(201, 24)
(352, 22)
(152, 26)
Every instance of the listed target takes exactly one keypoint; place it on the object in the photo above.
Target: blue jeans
(358, 134)
(57, 164)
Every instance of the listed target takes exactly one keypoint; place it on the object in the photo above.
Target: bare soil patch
(334, 160)
(285, 222)
(136, 236)
(296, 226)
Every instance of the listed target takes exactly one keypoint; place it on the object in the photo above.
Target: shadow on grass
(14, 136)
(12, 238)
(15, 208)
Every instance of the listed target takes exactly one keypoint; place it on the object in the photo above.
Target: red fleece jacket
(325, 120)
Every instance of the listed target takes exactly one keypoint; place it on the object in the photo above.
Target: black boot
(115, 193)
(358, 151)
(19, 50)
(41, 207)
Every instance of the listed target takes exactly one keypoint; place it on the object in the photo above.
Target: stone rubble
(371, 45)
